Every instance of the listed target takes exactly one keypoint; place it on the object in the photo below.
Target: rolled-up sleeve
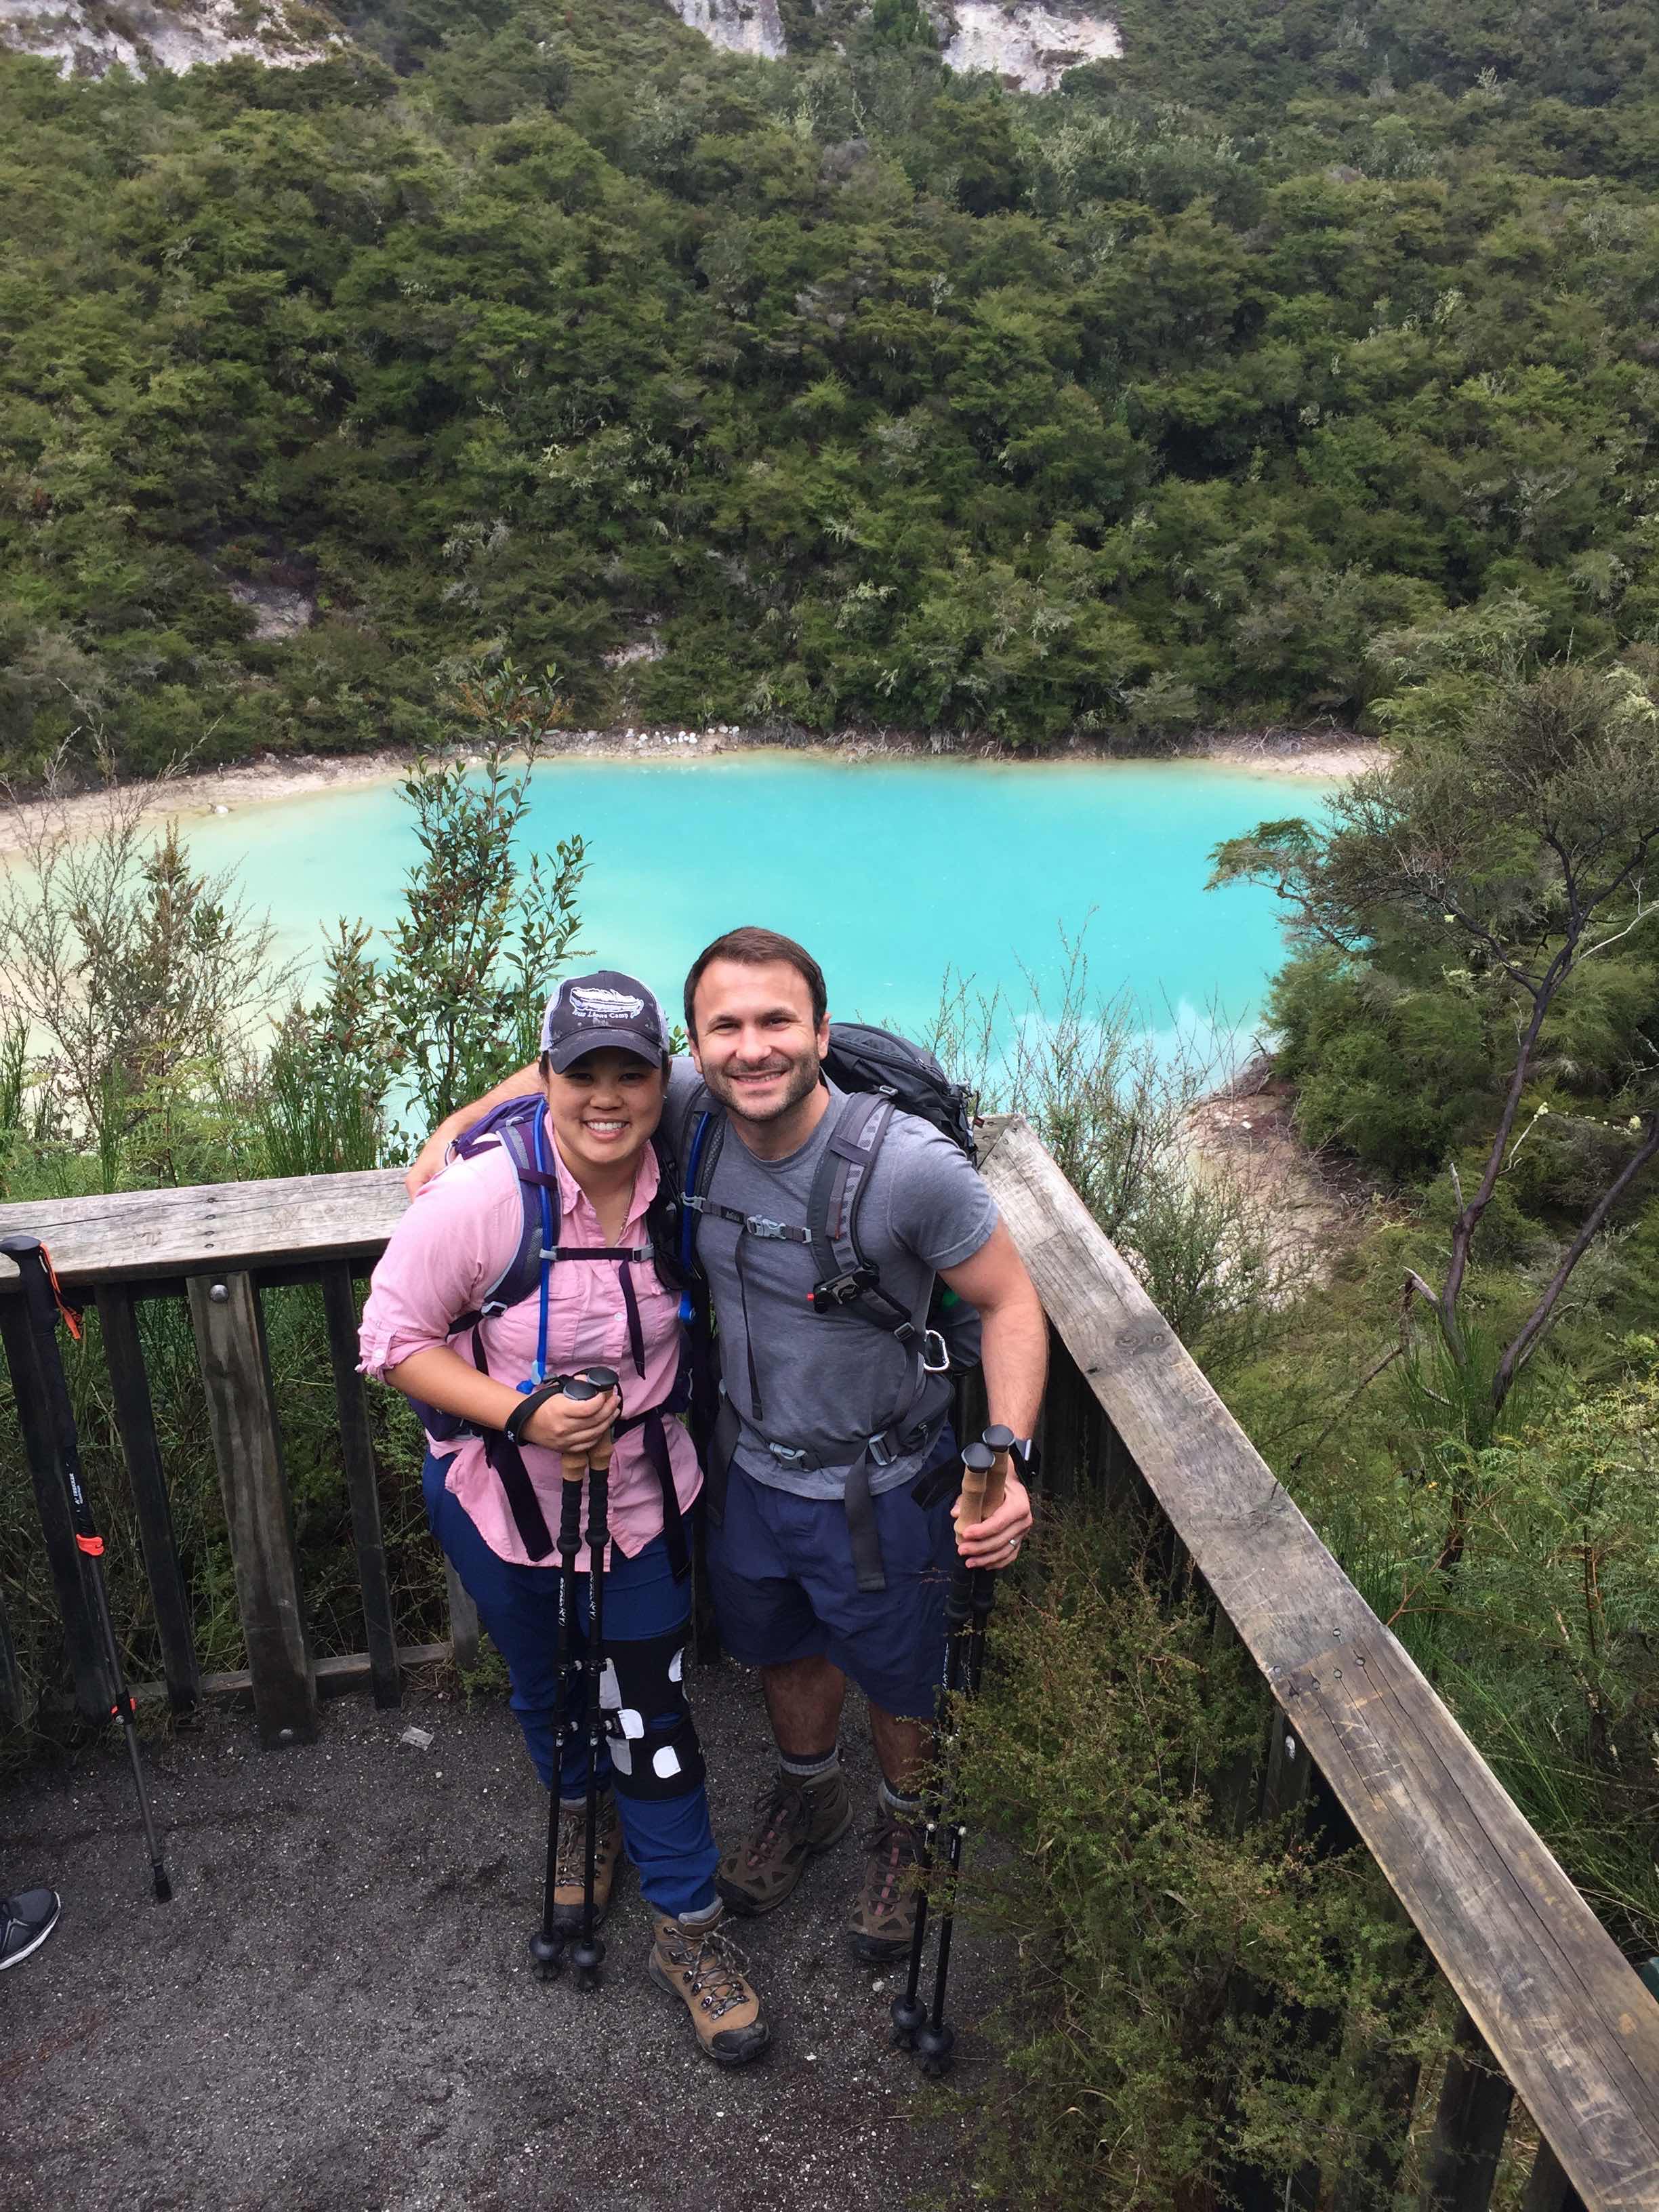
(447, 1249)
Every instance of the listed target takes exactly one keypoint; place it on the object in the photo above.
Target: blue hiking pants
(669, 1840)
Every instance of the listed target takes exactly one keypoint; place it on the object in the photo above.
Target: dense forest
(833, 389)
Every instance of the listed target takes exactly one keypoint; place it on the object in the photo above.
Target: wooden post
(94, 1693)
(340, 1309)
(1460, 2163)
(11, 1683)
(463, 1621)
(1548, 2189)
(230, 1346)
(135, 1420)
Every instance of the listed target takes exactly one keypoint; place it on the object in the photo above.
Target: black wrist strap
(1026, 1457)
(513, 1427)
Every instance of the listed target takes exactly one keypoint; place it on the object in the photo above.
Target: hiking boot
(702, 1968)
(26, 1921)
(571, 1860)
(883, 1918)
(794, 1821)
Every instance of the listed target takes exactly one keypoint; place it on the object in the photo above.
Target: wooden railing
(1550, 2009)
(217, 1247)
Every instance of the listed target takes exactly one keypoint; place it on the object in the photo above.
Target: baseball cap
(605, 1008)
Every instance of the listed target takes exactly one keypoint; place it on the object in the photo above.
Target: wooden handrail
(149, 1236)
(1559, 2006)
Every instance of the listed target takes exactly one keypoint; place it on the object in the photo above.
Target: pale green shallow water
(891, 872)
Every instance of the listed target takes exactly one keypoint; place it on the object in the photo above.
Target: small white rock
(221, 809)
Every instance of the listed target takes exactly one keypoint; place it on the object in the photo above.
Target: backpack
(882, 1074)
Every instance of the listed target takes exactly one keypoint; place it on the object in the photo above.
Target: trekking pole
(973, 1594)
(547, 1944)
(909, 2014)
(41, 1303)
(588, 1953)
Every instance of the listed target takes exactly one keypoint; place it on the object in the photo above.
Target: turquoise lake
(891, 873)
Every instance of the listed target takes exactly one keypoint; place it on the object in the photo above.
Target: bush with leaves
(1157, 2034)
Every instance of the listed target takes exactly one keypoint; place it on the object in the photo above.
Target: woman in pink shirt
(433, 1329)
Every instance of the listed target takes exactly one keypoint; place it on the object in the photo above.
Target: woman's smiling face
(605, 1107)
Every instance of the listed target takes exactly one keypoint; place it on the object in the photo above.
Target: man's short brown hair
(758, 948)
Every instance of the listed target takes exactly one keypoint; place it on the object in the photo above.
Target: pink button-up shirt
(453, 1244)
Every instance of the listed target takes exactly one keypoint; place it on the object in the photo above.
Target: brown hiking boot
(883, 1918)
(571, 1860)
(793, 1822)
(702, 1968)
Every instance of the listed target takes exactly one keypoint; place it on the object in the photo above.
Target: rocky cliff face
(1030, 46)
(743, 27)
(1023, 43)
(87, 37)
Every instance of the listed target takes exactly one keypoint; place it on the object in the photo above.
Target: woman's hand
(571, 1424)
(995, 1542)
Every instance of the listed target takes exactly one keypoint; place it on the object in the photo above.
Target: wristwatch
(513, 1426)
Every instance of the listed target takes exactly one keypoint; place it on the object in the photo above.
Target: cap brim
(564, 1055)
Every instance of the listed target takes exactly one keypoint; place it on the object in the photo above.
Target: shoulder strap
(538, 1222)
(846, 1277)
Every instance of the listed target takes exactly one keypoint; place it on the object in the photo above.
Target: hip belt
(896, 1442)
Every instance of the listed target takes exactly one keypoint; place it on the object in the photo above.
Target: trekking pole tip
(935, 2049)
(588, 1956)
(909, 2017)
(163, 1885)
(547, 1952)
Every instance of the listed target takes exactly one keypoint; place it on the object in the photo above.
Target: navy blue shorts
(780, 1571)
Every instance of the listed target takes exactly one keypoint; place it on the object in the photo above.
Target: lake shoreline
(229, 788)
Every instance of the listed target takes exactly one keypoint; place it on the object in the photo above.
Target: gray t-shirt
(829, 1379)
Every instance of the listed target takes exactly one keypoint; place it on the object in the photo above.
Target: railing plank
(93, 1690)
(134, 1236)
(135, 1420)
(230, 1343)
(362, 1482)
(1572, 2027)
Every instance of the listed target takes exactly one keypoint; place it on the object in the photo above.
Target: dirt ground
(337, 2012)
(1313, 1207)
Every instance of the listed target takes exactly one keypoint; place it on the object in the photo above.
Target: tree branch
(1510, 1366)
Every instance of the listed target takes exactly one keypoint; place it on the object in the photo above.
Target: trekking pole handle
(574, 1465)
(999, 1443)
(603, 1379)
(978, 1468)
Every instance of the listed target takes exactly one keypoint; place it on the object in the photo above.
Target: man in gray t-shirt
(790, 1370)
(830, 1542)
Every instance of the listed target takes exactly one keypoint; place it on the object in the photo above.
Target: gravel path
(336, 2013)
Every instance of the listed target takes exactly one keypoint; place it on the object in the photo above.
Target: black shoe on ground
(26, 1921)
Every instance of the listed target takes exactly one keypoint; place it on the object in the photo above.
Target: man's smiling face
(756, 1045)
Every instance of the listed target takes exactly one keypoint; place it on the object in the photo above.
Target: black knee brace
(651, 1736)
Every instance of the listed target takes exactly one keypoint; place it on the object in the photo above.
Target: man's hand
(995, 1542)
(431, 1156)
(428, 1160)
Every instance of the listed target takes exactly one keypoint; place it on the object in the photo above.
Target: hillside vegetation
(857, 391)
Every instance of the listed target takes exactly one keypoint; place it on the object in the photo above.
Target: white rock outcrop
(1031, 48)
(742, 27)
(86, 39)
